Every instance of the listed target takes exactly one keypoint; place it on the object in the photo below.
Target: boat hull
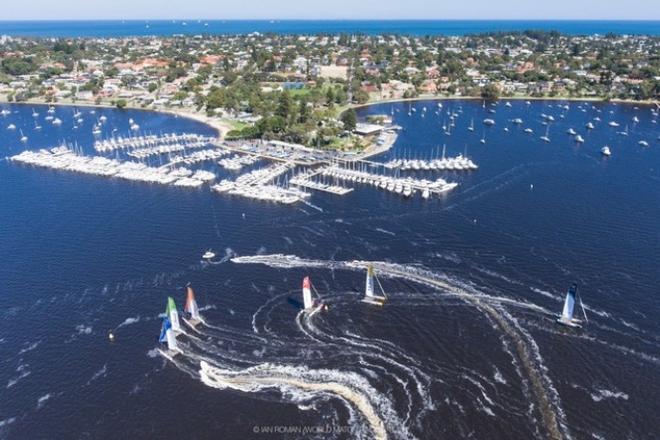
(572, 323)
(375, 300)
(168, 354)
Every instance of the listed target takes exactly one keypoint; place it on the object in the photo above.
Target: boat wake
(525, 348)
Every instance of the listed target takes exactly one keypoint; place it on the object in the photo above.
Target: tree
(349, 119)
(303, 113)
(490, 92)
(121, 103)
(284, 106)
(18, 66)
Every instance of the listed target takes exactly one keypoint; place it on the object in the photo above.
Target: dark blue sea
(120, 28)
(466, 347)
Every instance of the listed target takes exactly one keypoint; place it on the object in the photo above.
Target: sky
(331, 9)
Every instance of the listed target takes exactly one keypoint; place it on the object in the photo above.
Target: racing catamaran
(312, 305)
(172, 314)
(191, 314)
(369, 291)
(566, 318)
(168, 339)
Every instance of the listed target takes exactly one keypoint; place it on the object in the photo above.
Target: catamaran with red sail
(311, 304)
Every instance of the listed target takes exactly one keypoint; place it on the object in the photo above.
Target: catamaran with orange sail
(191, 311)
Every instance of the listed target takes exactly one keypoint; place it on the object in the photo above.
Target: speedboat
(489, 121)
(571, 132)
(643, 143)
(208, 255)
(605, 151)
(579, 139)
(590, 126)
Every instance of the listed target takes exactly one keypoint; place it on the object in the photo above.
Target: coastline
(221, 128)
(501, 98)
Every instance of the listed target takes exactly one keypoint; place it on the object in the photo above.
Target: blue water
(119, 28)
(80, 255)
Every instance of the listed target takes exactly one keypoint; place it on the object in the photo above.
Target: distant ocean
(119, 28)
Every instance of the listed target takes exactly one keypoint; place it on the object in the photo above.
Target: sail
(163, 331)
(173, 314)
(569, 304)
(191, 305)
(307, 293)
(171, 340)
(369, 289)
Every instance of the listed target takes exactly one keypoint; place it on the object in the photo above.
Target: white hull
(573, 323)
(375, 300)
(192, 323)
(314, 310)
(168, 354)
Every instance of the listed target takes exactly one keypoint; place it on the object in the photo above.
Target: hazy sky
(328, 9)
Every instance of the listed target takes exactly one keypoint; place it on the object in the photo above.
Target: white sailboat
(546, 137)
(566, 317)
(369, 291)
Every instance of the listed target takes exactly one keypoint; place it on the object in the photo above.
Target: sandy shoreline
(221, 127)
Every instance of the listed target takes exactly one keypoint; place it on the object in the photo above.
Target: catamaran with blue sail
(370, 295)
(167, 340)
(566, 317)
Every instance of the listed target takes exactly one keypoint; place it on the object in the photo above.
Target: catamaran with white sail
(566, 318)
(370, 295)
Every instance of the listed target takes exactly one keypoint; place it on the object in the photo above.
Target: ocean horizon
(448, 27)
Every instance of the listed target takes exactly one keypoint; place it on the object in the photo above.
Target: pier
(404, 186)
(304, 180)
(257, 185)
(151, 143)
